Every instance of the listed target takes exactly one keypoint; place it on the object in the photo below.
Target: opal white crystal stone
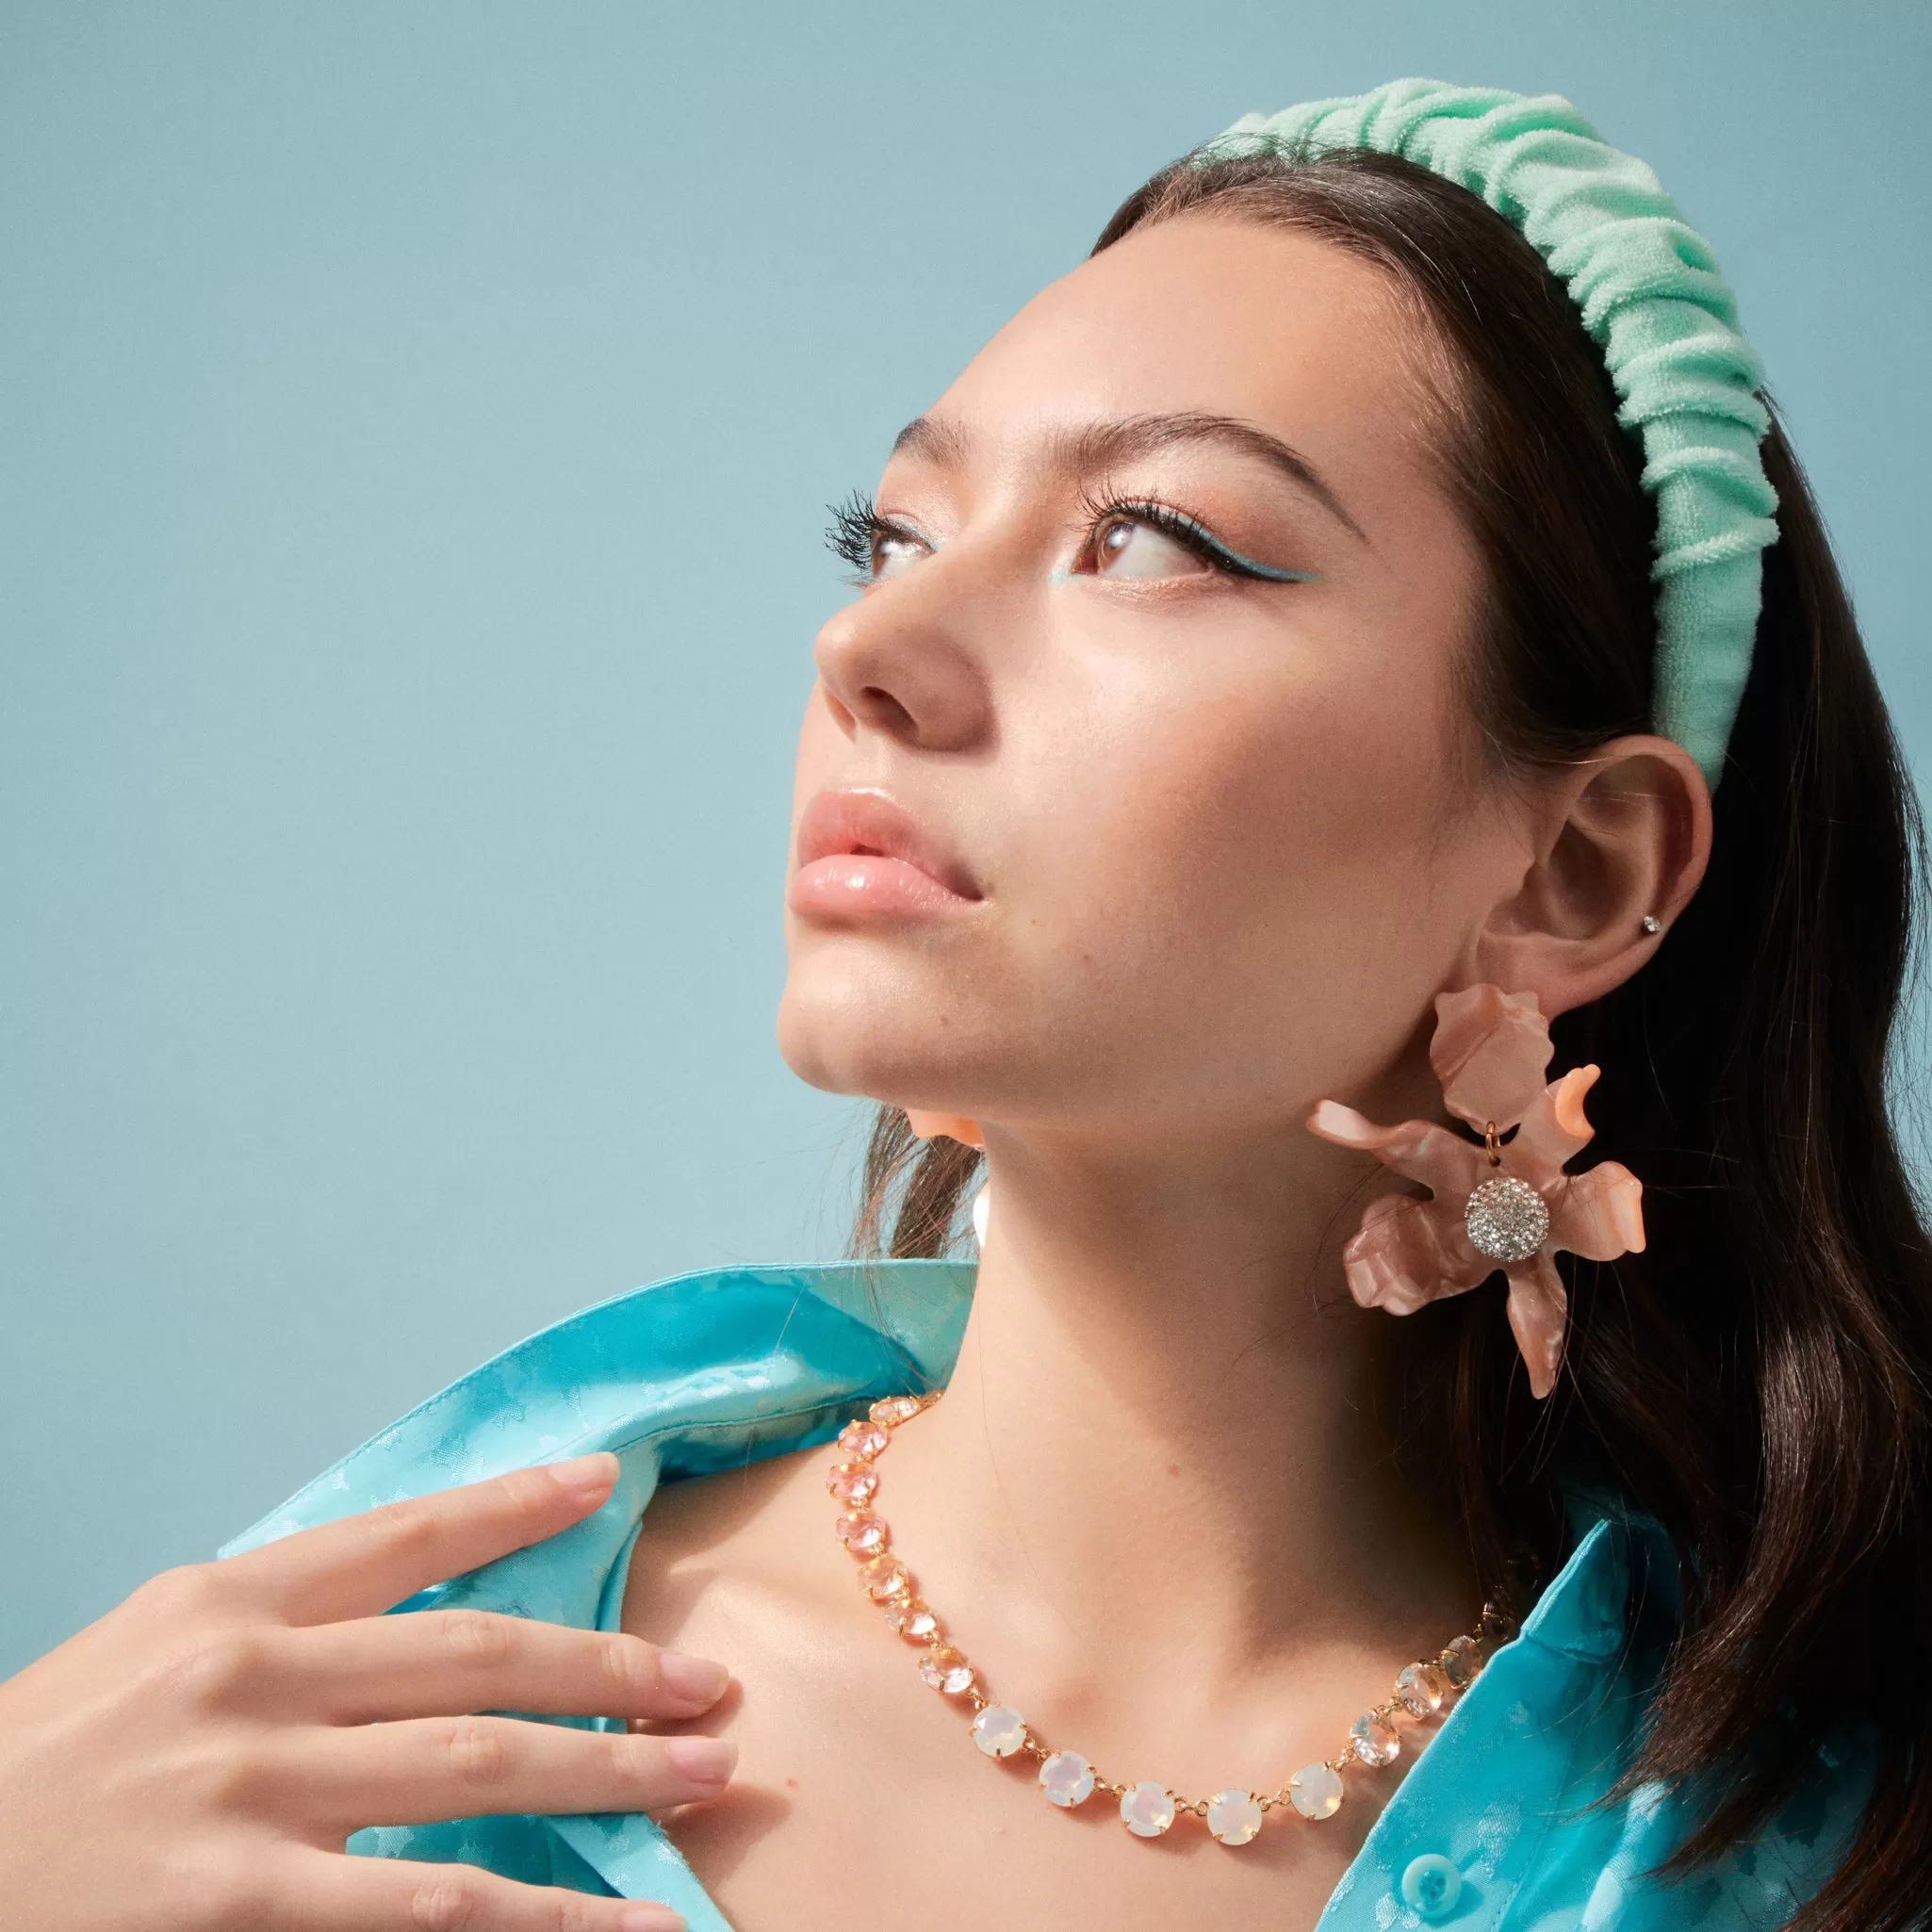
(1316, 1791)
(1147, 1808)
(1233, 1817)
(999, 1731)
(1067, 1778)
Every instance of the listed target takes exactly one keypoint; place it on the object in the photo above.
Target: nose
(899, 661)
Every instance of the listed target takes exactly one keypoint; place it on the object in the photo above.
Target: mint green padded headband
(1666, 321)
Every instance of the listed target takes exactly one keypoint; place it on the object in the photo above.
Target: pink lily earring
(955, 1127)
(1509, 1207)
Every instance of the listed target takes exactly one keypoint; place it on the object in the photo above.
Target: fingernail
(649, 1919)
(703, 1760)
(587, 1475)
(697, 1677)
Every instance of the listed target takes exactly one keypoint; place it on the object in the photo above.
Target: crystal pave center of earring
(1506, 1218)
(1065, 1778)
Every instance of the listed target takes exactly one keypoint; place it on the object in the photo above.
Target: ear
(1623, 833)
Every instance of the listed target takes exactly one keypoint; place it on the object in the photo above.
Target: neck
(1166, 1417)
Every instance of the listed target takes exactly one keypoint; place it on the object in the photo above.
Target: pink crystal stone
(1067, 1778)
(863, 1438)
(1233, 1817)
(1147, 1808)
(885, 1576)
(1373, 1739)
(892, 1409)
(864, 1534)
(852, 1481)
(946, 1670)
(914, 1622)
(1422, 1688)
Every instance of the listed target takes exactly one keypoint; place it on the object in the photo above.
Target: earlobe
(1620, 850)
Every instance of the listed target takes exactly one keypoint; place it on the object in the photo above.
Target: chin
(845, 1027)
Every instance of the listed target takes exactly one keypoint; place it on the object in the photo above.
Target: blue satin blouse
(1493, 1831)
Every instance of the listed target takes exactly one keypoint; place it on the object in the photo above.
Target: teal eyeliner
(1182, 528)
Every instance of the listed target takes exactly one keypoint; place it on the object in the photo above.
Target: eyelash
(857, 527)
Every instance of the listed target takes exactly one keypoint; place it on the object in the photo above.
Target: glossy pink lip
(859, 853)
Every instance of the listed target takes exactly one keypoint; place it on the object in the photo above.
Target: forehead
(1219, 316)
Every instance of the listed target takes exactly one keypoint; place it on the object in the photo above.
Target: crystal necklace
(1147, 1808)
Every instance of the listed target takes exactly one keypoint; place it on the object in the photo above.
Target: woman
(1281, 682)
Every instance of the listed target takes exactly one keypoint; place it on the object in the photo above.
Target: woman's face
(1095, 826)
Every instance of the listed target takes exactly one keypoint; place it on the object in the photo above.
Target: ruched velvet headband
(1653, 301)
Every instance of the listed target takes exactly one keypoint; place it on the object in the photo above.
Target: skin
(1228, 840)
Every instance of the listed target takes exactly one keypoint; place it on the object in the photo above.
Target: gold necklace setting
(1065, 1778)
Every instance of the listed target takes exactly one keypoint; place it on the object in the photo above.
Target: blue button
(1431, 1885)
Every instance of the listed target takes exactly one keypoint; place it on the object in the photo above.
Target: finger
(440, 1662)
(361, 1565)
(341, 1893)
(423, 1770)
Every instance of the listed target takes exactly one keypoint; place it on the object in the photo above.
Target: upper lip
(866, 820)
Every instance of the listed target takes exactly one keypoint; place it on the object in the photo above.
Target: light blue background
(415, 424)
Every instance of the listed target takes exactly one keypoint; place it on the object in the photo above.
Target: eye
(875, 546)
(1140, 540)
(1129, 547)
(894, 550)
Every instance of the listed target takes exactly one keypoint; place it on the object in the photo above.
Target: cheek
(1240, 870)
(1187, 806)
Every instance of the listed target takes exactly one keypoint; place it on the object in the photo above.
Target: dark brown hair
(1758, 1378)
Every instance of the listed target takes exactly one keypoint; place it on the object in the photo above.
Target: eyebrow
(1095, 447)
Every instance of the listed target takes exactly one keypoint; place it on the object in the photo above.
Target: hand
(193, 1762)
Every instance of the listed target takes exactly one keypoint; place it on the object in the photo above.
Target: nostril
(880, 708)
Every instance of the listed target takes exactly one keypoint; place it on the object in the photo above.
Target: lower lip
(865, 885)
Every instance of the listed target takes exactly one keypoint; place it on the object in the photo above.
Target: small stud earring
(1650, 922)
